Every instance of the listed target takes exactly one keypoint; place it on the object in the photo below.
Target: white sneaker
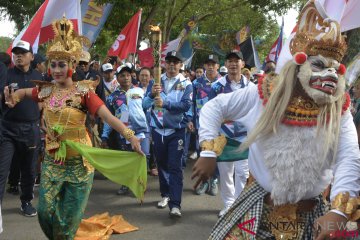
(193, 156)
(163, 203)
(175, 212)
(222, 212)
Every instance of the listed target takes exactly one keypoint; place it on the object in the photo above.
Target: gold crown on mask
(67, 44)
(317, 34)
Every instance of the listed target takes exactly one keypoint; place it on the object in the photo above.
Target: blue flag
(93, 18)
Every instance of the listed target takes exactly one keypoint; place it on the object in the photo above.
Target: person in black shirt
(21, 134)
(84, 66)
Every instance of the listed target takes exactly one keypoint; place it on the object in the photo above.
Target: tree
(20, 11)
(4, 43)
(213, 17)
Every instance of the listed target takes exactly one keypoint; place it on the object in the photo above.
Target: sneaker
(164, 202)
(13, 190)
(193, 156)
(28, 210)
(202, 188)
(123, 190)
(175, 212)
(223, 212)
(214, 189)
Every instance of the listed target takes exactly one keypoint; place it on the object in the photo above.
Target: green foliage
(20, 11)
(4, 43)
(214, 18)
(353, 45)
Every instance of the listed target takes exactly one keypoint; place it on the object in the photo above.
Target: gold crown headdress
(67, 44)
(318, 34)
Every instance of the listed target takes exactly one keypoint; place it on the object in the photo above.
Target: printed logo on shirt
(180, 145)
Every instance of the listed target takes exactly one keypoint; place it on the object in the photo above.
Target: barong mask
(320, 38)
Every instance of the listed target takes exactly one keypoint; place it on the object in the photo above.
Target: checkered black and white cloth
(249, 205)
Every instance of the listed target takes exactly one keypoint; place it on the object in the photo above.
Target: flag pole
(156, 45)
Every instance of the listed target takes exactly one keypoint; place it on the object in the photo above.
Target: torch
(156, 45)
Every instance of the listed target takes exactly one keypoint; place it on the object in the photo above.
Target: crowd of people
(164, 118)
(113, 104)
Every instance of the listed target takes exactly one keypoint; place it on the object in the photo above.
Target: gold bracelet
(16, 98)
(128, 134)
(215, 145)
(347, 205)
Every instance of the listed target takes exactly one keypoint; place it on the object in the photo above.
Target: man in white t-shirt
(110, 83)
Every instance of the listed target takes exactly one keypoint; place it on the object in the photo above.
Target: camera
(14, 86)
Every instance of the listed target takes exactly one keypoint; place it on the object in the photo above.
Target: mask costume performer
(68, 169)
(300, 129)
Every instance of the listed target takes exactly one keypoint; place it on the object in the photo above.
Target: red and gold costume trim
(300, 111)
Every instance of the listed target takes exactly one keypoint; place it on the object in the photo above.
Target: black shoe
(123, 190)
(28, 210)
(13, 190)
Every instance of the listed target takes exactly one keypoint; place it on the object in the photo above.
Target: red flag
(126, 42)
(39, 30)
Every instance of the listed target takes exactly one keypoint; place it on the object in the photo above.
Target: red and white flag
(126, 42)
(276, 47)
(146, 58)
(285, 54)
(39, 29)
(345, 11)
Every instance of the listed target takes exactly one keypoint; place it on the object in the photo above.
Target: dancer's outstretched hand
(135, 144)
(203, 169)
(9, 97)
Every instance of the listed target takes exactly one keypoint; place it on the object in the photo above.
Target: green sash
(125, 168)
(231, 152)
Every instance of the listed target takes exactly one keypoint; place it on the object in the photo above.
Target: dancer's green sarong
(64, 189)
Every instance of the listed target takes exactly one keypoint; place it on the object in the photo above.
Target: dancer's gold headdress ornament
(67, 44)
(318, 34)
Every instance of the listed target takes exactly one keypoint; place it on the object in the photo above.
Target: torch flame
(154, 28)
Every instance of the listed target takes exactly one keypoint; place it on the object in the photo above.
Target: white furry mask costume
(299, 127)
(297, 155)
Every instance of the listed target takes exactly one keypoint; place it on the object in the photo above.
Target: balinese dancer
(68, 169)
(301, 135)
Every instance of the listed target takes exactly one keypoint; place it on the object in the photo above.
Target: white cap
(132, 92)
(22, 45)
(84, 56)
(129, 65)
(223, 69)
(107, 67)
(124, 67)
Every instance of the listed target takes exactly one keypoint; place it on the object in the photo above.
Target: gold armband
(347, 205)
(215, 145)
(128, 134)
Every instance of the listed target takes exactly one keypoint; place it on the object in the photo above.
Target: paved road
(199, 213)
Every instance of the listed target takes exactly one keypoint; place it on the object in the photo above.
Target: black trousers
(20, 142)
(14, 175)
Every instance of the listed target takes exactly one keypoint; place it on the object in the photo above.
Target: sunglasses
(83, 63)
(60, 65)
